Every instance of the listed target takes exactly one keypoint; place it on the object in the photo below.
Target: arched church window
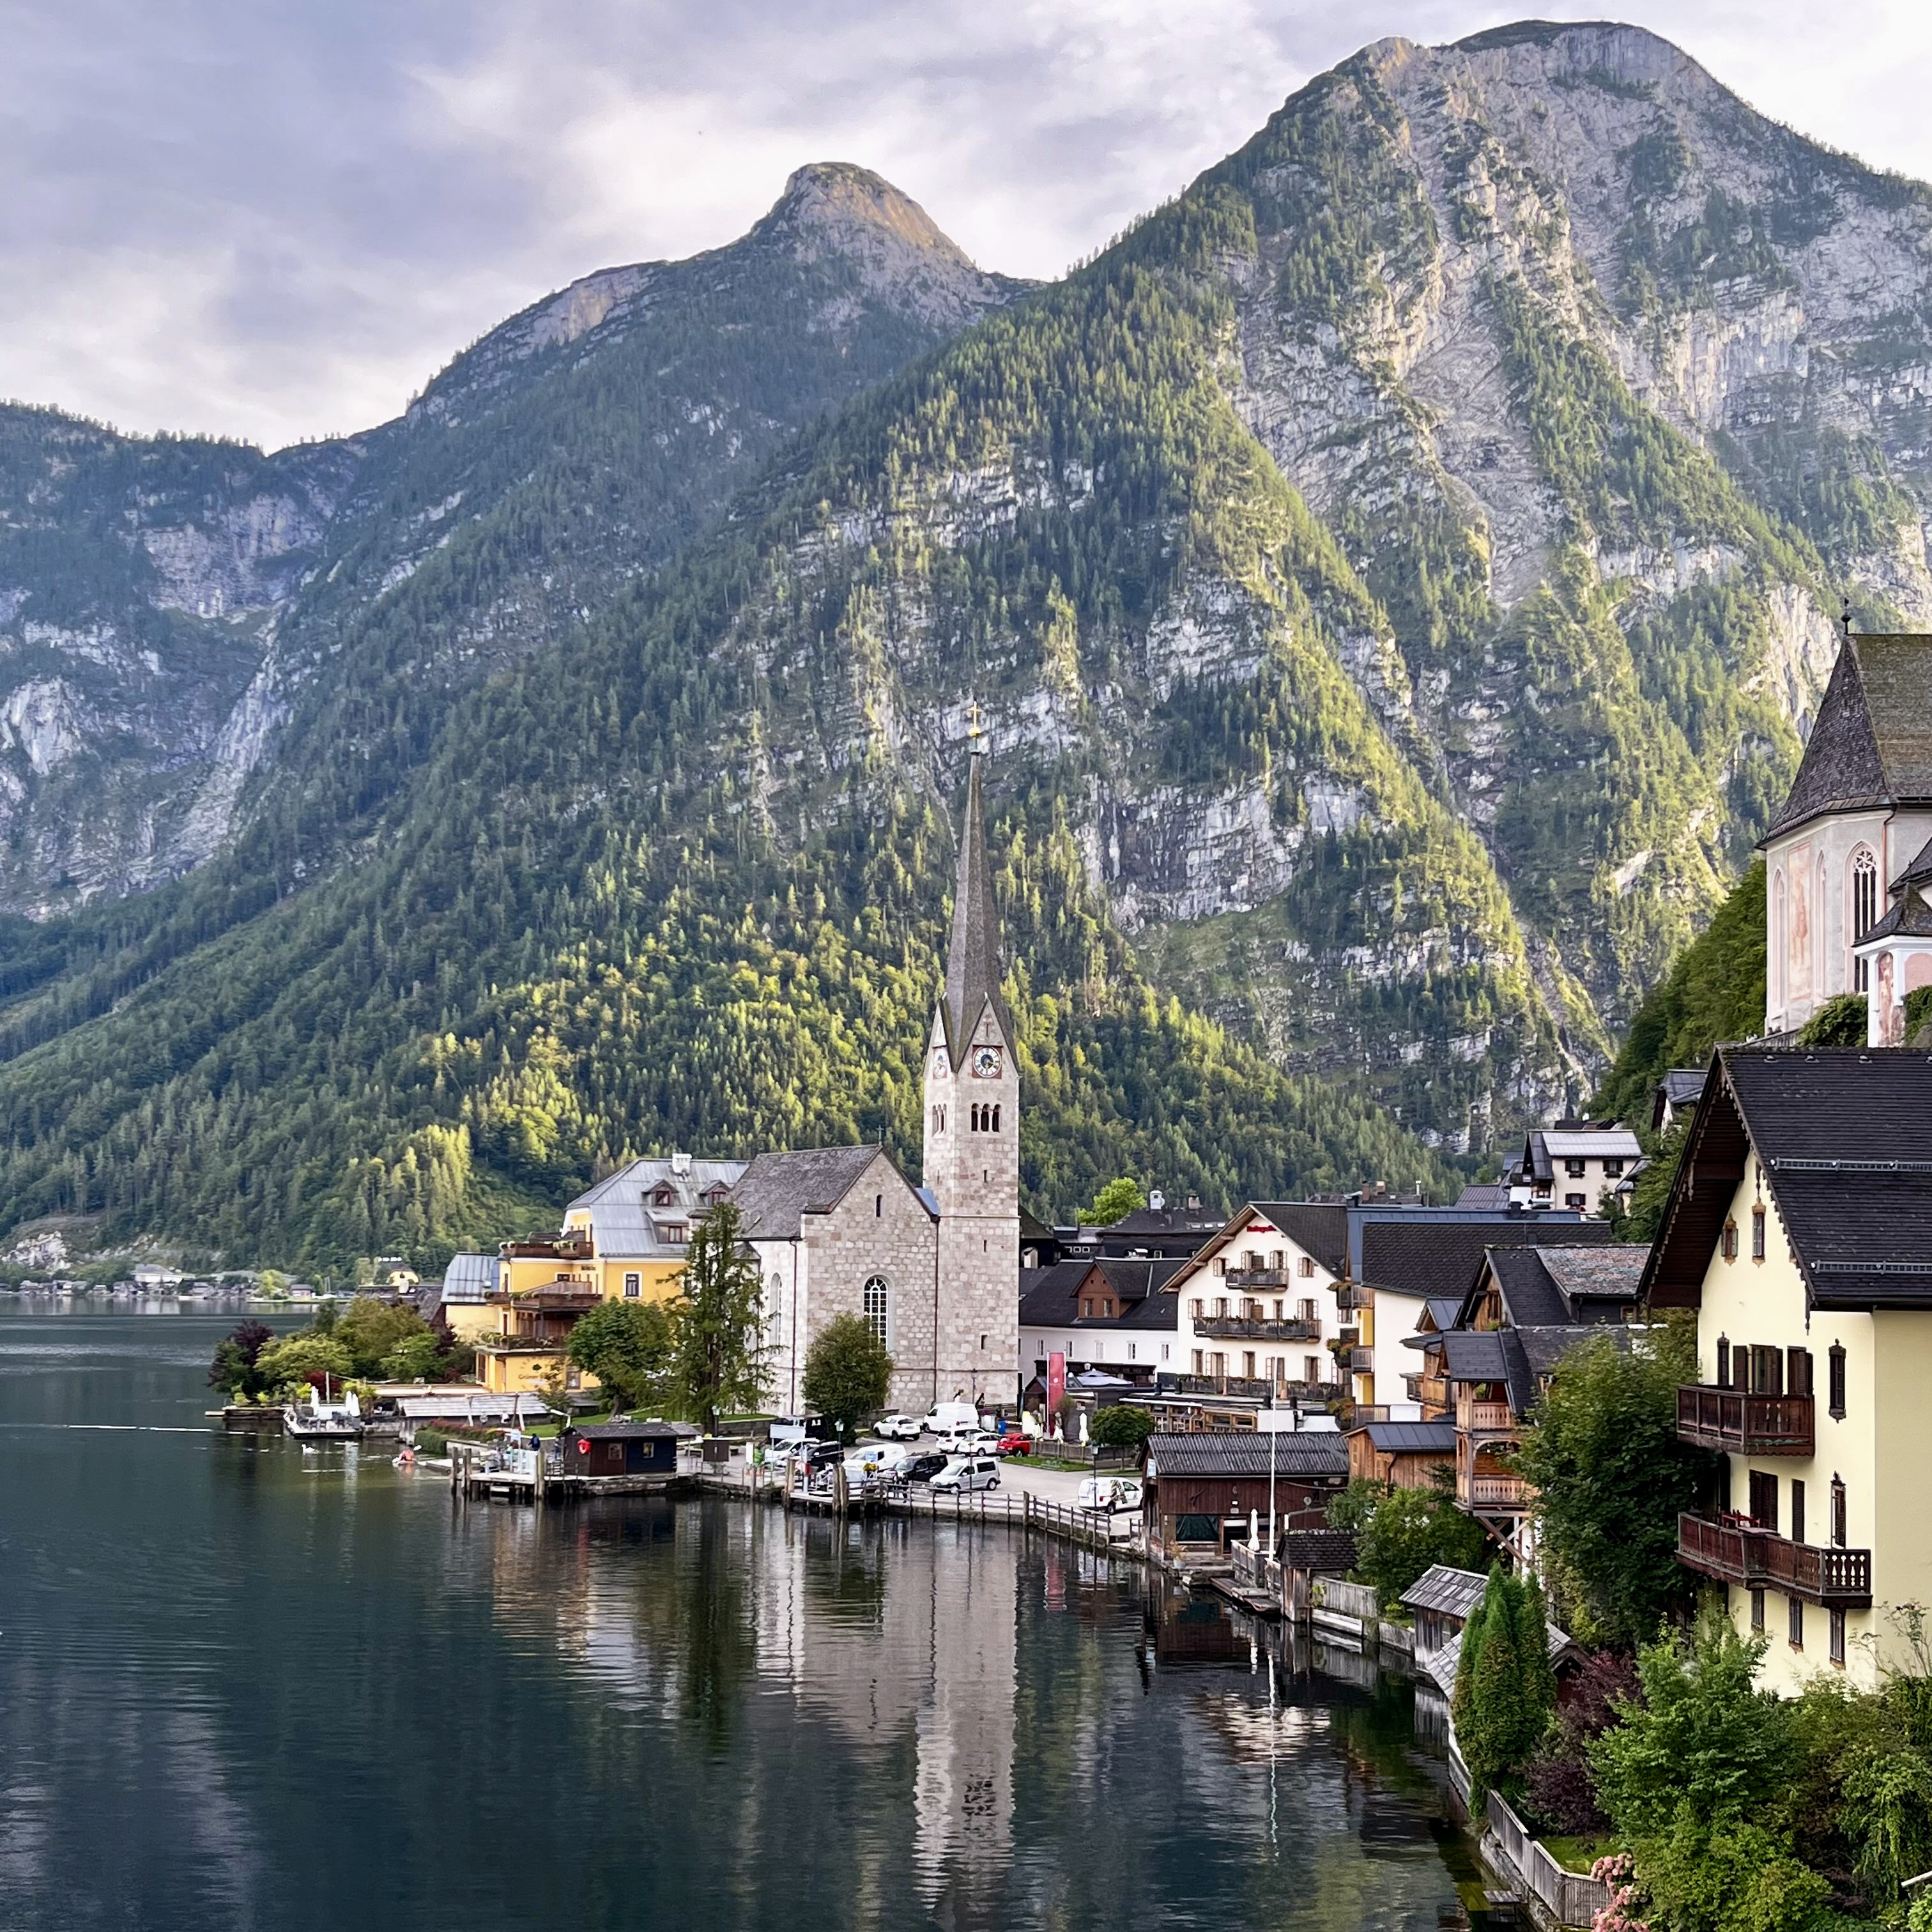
(1777, 940)
(995, 1127)
(877, 1297)
(1864, 907)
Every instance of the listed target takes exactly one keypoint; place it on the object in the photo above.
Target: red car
(1015, 1442)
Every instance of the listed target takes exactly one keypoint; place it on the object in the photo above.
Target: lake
(243, 1685)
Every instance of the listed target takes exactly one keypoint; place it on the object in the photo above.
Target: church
(935, 1269)
(1848, 862)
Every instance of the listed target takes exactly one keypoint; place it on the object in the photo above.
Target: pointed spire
(973, 967)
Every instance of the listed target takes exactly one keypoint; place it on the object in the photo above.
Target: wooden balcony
(1248, 1328)
(1738, 1424)
(1491, 1492)
(1257, 1278)
(1736, 1551)
(1353, 1294)
(1486, 1418)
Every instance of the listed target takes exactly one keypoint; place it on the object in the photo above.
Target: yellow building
(1797, 1228)
(624, 1240)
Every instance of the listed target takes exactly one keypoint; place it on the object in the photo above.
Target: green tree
(720, 1362)
(1120, 1426)
(630, 1347)
(293, 1360)
(235, 1370)
(416, 1358)
(1505, 1689)
(847, 1372)
(371, 1329)
(1408, 1530)
(1611, 1477)
(1114, 1202)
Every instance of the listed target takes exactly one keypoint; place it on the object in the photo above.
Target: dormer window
(664, 1197)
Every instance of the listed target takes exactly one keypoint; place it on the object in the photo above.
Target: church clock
(988, 1062)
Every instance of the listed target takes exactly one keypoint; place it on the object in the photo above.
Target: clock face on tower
(988, 1062)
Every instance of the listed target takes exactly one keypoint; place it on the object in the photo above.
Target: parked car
(964, 1474)
(897, 1428)
(1016, 1442)
(949, 1418)
(970, 1442)
(1108, 1493)
(919, 1465)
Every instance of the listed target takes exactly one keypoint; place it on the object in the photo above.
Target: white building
(1576, 1165)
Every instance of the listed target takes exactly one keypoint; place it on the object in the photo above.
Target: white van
(965, 1473)
(950, 1418)
(1108, 1493)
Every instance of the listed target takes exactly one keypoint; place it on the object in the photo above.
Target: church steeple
(973, 965)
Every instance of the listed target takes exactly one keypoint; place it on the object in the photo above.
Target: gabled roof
(1318, 1228)
(1050, 1298)
(1454, 1593)
(632, 1432)
(1438, 1259)
(778, 1188)
(1549, 1286)
(1484, 1194)
(470, 1278)
(1608, 1142)
(621, 1214)
(1871, 743)
(1246, 1452)
(973, 956)
(1842, 1144)
(1682, 1084)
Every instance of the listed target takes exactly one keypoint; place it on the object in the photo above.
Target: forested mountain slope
(192, 635)
(1396, 575)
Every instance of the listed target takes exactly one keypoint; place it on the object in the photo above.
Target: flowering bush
(1619, 1872)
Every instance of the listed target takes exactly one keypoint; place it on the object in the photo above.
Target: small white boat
(319, 1421)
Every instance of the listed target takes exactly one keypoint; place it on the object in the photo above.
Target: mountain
(1396, 575)
(186, 624)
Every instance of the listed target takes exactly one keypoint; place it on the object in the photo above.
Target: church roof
(973, 957)
(1871, 744)
(778, 1188)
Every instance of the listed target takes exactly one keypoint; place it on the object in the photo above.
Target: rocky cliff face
(182, 622)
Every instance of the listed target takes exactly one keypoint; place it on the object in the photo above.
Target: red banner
(1056, 1384)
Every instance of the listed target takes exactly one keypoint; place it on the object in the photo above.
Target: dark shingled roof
(777, 1188)
(1214, 1452)
(1455, 1593)
(1548, 1286)
(1167, 1221)
(1410, 1438)
(1871, 743)
(1847, 1161)
(1437, 1259)
(1050, 1297)
(1319, 1228)
(631, 1431)
(972, 958)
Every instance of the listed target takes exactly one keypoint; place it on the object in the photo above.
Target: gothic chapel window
(1865, 905)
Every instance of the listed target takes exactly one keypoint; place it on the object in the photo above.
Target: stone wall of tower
(972, 1169)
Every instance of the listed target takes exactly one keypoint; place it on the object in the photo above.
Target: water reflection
(237, 1681)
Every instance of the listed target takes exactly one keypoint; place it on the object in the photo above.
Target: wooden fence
(1568, 1897)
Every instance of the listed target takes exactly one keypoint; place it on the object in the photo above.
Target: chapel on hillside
(1848, 862)
(935, 1269)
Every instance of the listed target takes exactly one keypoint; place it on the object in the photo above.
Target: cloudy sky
(278, 218)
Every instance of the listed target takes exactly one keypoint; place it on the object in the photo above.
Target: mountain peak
(899, 252)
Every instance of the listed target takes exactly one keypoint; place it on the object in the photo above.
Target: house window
(1087, 1311)
(1277, 1261)
(1279, 1307)
(1838, 1514)
(1723, 1361)
(675, 1233)
(1836, 1398)
(1220, 1308)
(1764, 1500)
(664, 1197)
(1757, 1234)
(1797, 1510)
(1311, 1368)
(1757, 1611)
(1305, 1311)
(1248, 1364)
(1132, 1351)
(1798, 1372)
(1838, 1626)
(1197, 1361)
(1163, 1352)
(1217, 1363)
(634, 1286)
(1575, 1169)
(1194, 1310)
(1767, 1371)
(1307, 1265)
(1220, 1264)
(1613, 1170)
(1730, 1247)
(1576, 1201)
(1795, 1621)
(877, 1300)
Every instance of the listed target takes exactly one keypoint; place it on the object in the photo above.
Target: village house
(1576, 1165)
(1857, 824)
(1799, 1227)
(639, 1222)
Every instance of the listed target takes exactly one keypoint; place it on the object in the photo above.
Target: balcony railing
(1730, 1421)
(1490, 1418)
(1358, 1360)
(1249, 1328)
(1474, 1492)
(1738, 1552)
(1353, 1294)
(1257, 1278)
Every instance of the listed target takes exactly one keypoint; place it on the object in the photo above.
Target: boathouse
(1201, 1487)
(621, 1449)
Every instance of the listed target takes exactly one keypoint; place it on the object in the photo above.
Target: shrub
(1408, 1531)
(1842, 1022)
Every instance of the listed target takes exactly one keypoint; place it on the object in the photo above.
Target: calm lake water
(245, 1687)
